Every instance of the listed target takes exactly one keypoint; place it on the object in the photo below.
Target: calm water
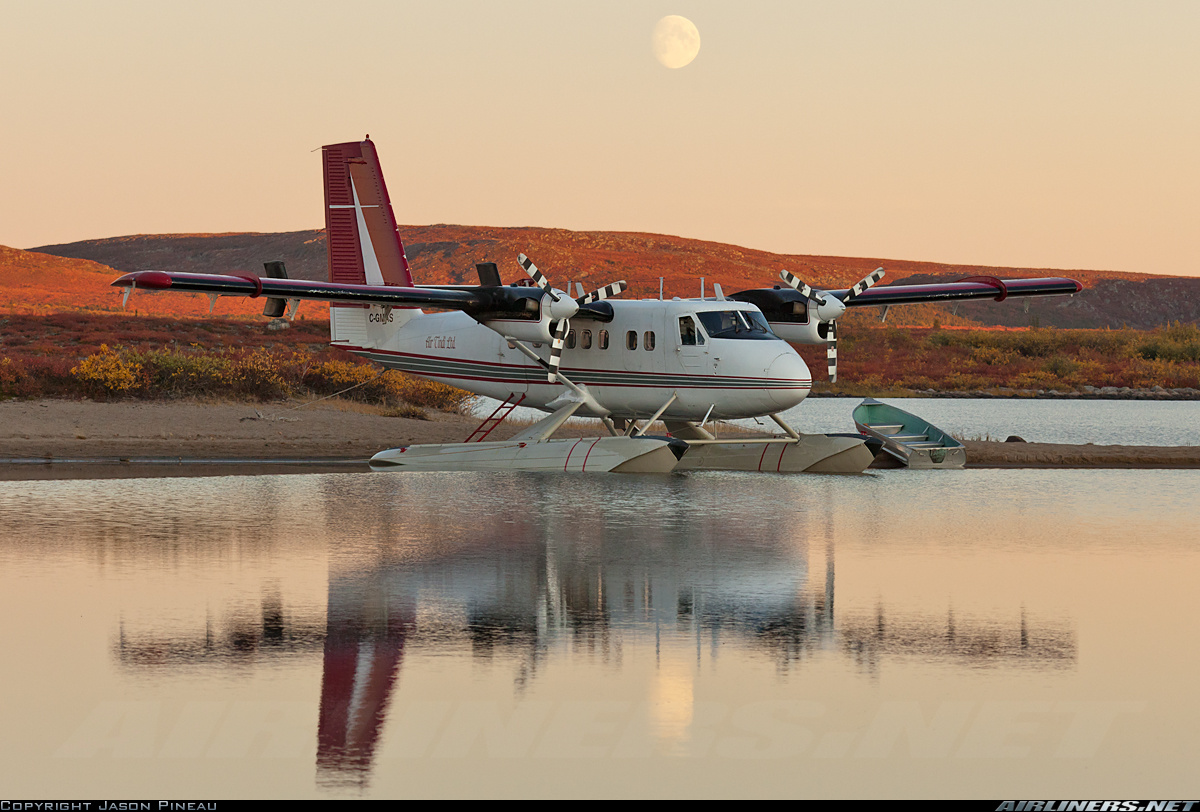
(1104, 422)
(980, 633)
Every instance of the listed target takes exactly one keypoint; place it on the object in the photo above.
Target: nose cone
(790, 379)
(564, 308)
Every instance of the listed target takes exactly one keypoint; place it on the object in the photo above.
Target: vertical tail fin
(362, 238)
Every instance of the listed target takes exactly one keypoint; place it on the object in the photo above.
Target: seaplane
(629, 363)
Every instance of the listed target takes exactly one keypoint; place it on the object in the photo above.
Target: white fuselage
(743, 375)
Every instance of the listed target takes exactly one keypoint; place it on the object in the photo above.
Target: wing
(974, 287)
(784, 305)
(480, 302)
(254, 286)
(805, 315)
(487, 304)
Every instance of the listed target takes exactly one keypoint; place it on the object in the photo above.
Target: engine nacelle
(538, 331)
(814, 332)
(531, 319)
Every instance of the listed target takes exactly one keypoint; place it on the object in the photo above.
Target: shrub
(258, 374)
(1036, 380)
(1178, 342)
(175, 374)
(388, 386)
(433, 395)
(1035, 343)
(958, 382)
(992, 356)
(13, 378)
(109, 372)
(1061, 366)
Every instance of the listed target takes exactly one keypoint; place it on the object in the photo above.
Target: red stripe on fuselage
(787, 383)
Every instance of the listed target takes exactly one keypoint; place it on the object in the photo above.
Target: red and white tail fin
(364, 244)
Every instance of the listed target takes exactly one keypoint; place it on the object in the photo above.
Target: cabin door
(691, 347)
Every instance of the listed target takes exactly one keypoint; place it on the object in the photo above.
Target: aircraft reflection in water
(529, 586)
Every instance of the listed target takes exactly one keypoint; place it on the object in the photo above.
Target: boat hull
(908, 440)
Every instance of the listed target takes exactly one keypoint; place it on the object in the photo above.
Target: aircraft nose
(790, 379)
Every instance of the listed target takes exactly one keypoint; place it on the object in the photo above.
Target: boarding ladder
(496, 418)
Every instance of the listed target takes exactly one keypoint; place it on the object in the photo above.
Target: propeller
(563, 307)
(829, 308)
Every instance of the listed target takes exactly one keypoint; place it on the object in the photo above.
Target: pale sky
(1037, 134)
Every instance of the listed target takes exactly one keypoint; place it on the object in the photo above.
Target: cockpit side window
(689, 334)
(743, 324)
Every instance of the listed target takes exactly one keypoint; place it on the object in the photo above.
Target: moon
(676, 41)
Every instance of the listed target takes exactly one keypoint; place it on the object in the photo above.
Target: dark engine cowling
(517, 311)
(787, 311)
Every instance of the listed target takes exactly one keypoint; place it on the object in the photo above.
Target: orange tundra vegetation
(65, 334)
(66, 355)
(34, 283)
(109, 356)
(882, 360)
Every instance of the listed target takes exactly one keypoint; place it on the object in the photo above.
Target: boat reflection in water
(529, 574)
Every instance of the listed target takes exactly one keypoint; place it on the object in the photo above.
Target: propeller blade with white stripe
(802, 288)
(831, 351)
(556, 349)
(603, 293)
(864, 283)
(537, 276)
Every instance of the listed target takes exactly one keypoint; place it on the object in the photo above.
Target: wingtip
(154, 280)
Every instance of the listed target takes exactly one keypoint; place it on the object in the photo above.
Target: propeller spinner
(562, 307)
(829, 308)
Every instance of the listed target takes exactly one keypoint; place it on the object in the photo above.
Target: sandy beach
(73, 439)
(331, 429)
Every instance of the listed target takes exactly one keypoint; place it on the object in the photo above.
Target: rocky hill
(442, 254)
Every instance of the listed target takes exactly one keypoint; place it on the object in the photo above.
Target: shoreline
(1005, 393)
(83, 439)
(25, 470)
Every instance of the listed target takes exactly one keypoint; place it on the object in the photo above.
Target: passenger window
(649, 340)
(585, 340)
(570, 339)
(604, 339)
(631, 340)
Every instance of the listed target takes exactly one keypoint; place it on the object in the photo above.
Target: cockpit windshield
(748, 324)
